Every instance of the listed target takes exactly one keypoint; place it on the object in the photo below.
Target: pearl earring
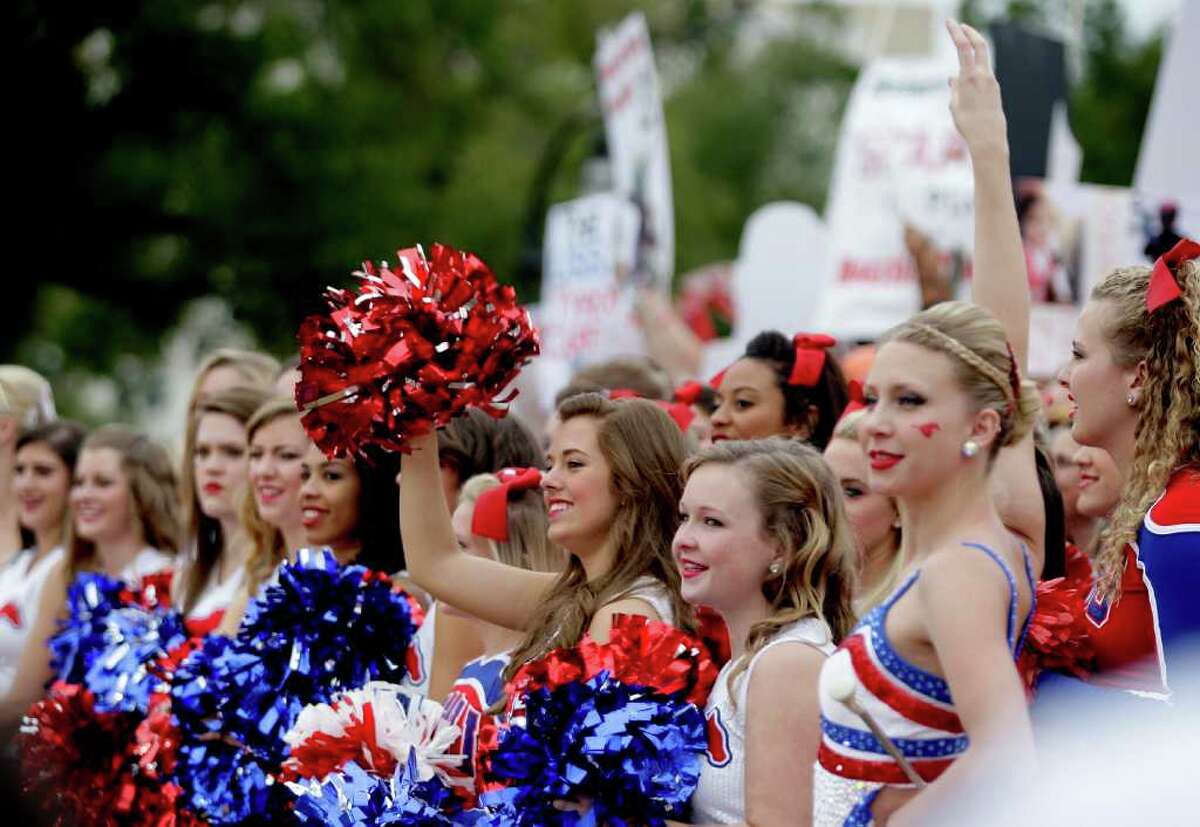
(1131, 400)
(970, 448)
(775, 568)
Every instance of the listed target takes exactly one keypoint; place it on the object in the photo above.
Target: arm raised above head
(500, 594)
(1000, 283)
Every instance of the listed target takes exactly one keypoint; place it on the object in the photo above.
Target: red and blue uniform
(478, 688)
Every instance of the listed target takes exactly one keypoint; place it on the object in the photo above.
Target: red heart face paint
(928, 429)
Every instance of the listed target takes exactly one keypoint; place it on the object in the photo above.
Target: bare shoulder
(603, 618)
(784, 664)
(959, 572)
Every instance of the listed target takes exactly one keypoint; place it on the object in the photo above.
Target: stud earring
(775, 568)
(970, 448)
(1131, 400)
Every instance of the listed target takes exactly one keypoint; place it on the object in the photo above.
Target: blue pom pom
(90, 598)
(354, 798)
(226, 784)
(635, 754)
(120, 674)
(321, 629)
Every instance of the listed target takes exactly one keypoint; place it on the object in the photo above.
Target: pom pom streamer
(123, 672)
(414, 347)
(619, 724)
(354, 797)
(1059, 637)
(378, 726)
(90, 598)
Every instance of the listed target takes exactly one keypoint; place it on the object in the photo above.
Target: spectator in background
(1082, 528)
(26, 402)
(1167, 236)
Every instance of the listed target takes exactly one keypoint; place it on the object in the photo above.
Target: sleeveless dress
(720, 797)
(911, 705)
(21, 582)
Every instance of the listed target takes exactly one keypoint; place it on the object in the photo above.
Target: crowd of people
(868, 565)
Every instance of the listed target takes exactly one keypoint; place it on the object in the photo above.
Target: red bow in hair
(623, 393)
(682, 414)
(491, 507)
(689, 392)
(857, 401)
(810, 358)
(717, 378)
(1163, 288)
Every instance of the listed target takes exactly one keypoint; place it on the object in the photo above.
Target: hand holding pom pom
(416, 345)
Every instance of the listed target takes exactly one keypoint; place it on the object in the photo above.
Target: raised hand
(975, 93)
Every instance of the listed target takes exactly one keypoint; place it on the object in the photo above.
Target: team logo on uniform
(718, 739)
(13, 614)
(1097, 608)
(414, 661)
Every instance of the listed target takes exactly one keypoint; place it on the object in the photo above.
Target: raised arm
(999, 283)
(33, 667)
(492, 591)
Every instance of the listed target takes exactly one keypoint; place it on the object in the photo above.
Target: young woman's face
(749, 403)
(722, 553)
(41, 484)
(872, 516)
(101, 499)
(219, 464)
(1099, 482)
(276, 454)
(577, 487)
(329, 497)
(1098, 386)
(917, 420)
(1066, 471)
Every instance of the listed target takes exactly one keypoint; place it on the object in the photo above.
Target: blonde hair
(204, 540)
(848, 428)
(528, 547)
(985, 367)
(26, 396)
(802, 515)
(644, 450)
(267, 549)
(1167, 438)
(151, 482)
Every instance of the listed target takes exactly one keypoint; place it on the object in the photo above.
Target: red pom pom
(414, 347)
(1059, 636)
(639, 652)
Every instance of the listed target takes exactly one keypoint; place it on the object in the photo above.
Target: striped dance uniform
(911, 705)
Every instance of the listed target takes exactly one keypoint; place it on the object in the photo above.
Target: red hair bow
(623, 393)
(689, 392)
(717, 378)
(679, 412)
(810, 358)
(1163, 288)
(491, 507)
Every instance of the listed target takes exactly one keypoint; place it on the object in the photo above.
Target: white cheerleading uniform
(720, 797)
(21, 583)
(209, 610)
(420, 654)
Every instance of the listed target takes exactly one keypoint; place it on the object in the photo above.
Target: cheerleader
(1132, 379)
(124, 524)
(270, 505)
(873, 517)
(611, 490)
(45, 463)
(781, 386)
(215, 476)
(229, 367)
(764, 541)
(25, 402)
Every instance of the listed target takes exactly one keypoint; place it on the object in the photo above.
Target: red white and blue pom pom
(377, 727)
(415, 346)
(617, 724)
(353, 797)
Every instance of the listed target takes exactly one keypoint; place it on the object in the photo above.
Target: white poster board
(899, 160)
(637, 143)
(587, 301)
(1167, 159)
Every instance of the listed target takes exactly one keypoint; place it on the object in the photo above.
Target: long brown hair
(1168, 427)
(151, 482)
(644, 450)
(267, 548)
(803, 517)
(204, 539)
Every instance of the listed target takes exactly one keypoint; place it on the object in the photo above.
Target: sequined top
(912, 706)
